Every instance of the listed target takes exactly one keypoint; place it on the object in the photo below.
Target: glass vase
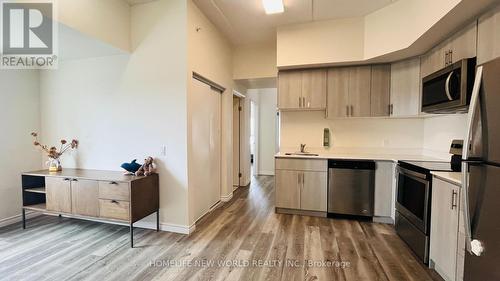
(54, 165)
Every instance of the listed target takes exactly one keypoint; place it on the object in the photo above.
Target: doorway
(237, 118)
(254, 137)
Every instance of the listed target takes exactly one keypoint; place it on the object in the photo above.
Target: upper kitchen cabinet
(359, 91)
(488, 45)
(302, 90)
(314, 88)
(460, 46)
(380, 90)
(338, 92)
(290, 90)
(405, 88)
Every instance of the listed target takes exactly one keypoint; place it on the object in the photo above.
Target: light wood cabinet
(380, 92)
(302, 89)
(301, 184)
(84, 194)
(488, 34)
(290, 90)
(58, 194)
(405, 88)
(444, 228)
(313, 194)
(314, 89)
(359, 91)
(460, 46)
(338, 92)
(288, 184)
(349, 92)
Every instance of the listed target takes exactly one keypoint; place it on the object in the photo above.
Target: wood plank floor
(242, 240)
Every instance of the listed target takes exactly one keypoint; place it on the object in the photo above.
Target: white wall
(255, 61)
(19, 116)
(320, 42)
(307, 127)
(266, 100)
(439, 131)
(129, 106)
(108, 21)
(210, 55)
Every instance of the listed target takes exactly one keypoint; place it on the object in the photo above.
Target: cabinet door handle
(453, 199)
(303, 179)
(392, 109)
(352, 110)
(113, 182)
(347, 110)
(300, 102)
(66, 179)
(114, 201)
(451, 56)
(74, 179)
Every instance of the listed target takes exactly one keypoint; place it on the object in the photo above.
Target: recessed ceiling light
(273, 6)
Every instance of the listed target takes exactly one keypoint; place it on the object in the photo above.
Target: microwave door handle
(473, 246)
(447, 87)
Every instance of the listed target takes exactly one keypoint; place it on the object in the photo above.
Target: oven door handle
(411, 173)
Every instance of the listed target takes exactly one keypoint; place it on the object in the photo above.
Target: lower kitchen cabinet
(301, 184)
(444, 228)
(313, 192)
(287, 189)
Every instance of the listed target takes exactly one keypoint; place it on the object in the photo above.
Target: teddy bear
(147, 168)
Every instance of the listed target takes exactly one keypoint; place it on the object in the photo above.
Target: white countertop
(363, 155)
(451, 177)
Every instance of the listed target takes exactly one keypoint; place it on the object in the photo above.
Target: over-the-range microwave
(449, 90)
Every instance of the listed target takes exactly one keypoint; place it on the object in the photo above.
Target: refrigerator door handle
(474, 103)
(474, 247)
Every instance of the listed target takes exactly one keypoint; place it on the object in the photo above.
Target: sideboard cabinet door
(58, 194)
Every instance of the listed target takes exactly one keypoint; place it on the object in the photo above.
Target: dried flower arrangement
(54, 155)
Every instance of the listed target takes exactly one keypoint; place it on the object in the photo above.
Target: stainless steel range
(413, 203)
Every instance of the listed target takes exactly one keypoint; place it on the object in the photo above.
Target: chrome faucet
(303, 148)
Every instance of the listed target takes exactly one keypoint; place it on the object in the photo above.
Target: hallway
(242, 240)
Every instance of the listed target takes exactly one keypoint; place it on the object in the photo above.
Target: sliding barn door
(205, 104)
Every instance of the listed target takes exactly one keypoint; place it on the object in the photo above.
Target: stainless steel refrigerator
(481, 177)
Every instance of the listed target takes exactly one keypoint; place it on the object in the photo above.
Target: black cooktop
(426, 166)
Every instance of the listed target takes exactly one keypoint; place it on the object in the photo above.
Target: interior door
(58, 194)
(236, 141)
(205, 146)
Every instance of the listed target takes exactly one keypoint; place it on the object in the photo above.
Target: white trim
(266, 173)
(18, 218)
(170, 227)
(386, 220)
(238, 94)
(226, 198)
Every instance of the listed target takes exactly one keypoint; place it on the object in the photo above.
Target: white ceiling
(245, 22)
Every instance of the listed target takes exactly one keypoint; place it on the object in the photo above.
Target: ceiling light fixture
(273, 6)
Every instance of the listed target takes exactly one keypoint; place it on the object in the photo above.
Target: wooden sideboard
(92, 194)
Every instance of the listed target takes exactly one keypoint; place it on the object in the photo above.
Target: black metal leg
(24, 218)
(60, 217)
(131, 235)
(157, 220)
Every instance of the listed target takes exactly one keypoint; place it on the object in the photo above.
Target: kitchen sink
(302, 154)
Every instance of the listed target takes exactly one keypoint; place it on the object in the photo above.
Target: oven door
(413, 198)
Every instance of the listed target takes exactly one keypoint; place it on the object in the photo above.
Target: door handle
(447, 86)
(74, 179)
(66, 179)
(453, 199)
(347, 110)
(114, 201)
(352, 110)
(451, 56)
(300, 102)
(113, 182)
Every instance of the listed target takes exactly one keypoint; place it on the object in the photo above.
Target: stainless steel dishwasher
(351, 188)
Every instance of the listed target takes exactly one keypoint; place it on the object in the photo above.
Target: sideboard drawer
(114, 190)
(114, 209)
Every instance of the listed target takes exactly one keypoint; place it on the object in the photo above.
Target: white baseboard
(226, 198)
(17, 218)
(386, 220)
(170, 227)
(266, 173)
